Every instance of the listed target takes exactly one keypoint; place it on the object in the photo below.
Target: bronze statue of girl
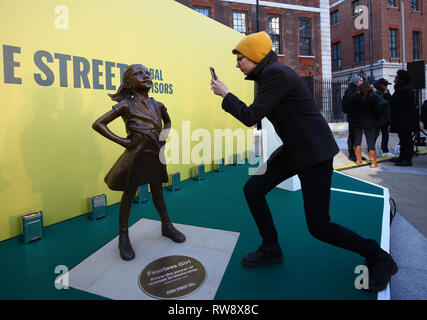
(140, 163)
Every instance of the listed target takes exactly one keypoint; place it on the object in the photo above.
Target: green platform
(312, 269)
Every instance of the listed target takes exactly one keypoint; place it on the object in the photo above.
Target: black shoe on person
(403, 163)
(381, 269)
(266, 254)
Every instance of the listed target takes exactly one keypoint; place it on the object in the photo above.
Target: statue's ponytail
(123, 93)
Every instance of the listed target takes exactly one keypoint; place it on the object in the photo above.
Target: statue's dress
(140, 163)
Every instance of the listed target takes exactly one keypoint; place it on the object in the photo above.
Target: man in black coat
(308, 150)
(404, 118)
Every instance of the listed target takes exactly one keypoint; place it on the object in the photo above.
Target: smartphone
(213, 73)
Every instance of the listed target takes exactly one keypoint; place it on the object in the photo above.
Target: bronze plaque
(172, 277)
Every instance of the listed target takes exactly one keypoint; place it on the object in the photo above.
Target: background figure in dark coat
(383, 116)
(308, 150)
(364, 110)
(355, 83)
(404, 118)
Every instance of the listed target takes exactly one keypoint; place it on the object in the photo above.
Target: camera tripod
(418, 140)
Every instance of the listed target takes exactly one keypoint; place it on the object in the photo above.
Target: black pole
(370, 41)
(257, 21)
(258, 125)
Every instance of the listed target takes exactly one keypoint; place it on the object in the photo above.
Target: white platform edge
(385, 228)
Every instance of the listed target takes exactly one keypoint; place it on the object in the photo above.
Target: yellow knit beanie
(254, 46)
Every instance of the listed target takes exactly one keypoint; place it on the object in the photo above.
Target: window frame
(275, 36)
(337, 20)
(308, 36)
(419, 53)
(197, 8)
(415, 3)
(336, 55)
(246, 24)
(393, 5)
(393, 43)
(354, 5)
(360, 45)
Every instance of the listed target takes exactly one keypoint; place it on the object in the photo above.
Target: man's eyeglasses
(240, 58)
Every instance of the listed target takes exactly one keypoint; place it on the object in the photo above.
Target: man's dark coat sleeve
(269, 96)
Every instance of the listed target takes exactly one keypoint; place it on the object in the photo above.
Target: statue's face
(139, 78)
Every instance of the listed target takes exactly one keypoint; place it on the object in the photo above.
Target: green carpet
(312, 269)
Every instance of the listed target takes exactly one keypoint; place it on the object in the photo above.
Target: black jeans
(316, 189)
(406, 145)
(350, 140)
(369, 135)
(384, 138)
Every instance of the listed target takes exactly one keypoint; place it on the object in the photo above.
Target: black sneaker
(381, 269)
(266, 254)
(403, 163)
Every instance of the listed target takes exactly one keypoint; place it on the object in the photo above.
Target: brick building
(300, 30)
(351, 52)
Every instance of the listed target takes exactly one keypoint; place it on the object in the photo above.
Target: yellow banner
(58, 63)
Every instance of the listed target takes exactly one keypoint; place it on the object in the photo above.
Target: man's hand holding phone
(217, 86)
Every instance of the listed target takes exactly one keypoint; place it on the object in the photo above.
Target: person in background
(383, 116)
(364, 110)
(354, 84)
(404, 118)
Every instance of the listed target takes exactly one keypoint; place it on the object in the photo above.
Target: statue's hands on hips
(126, 143)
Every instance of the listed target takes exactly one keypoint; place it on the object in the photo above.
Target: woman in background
(364, 107)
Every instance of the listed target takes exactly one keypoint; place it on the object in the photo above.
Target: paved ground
(408, 238)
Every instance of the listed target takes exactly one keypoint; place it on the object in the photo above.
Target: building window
(415, 6)
(392, 3)
(274, 32)
(203, 10)
(305, 47)
(359, 49)
(416, 39)
(392, 38)
(336, 55)
(240, 22)
(334, 18)
(356, 10)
